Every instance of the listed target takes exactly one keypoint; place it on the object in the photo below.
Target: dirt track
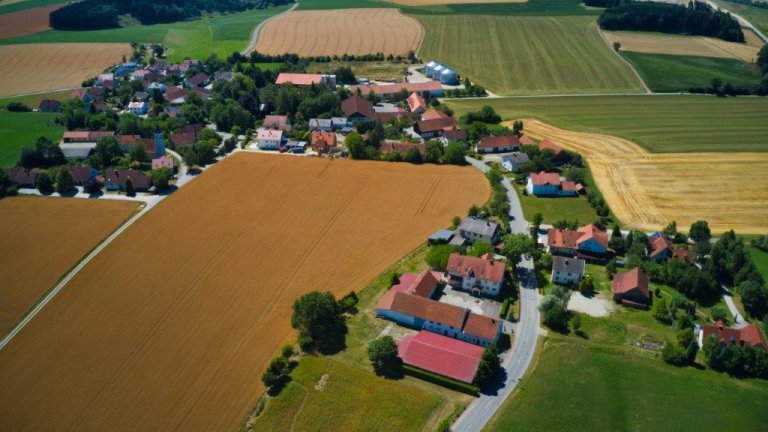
(648, 190)
(338, 32)
(33, 68)
(172, 325)
(42, 238)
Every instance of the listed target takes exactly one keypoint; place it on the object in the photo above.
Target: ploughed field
(41, 239)
(44, 67)
(338, 32)
(25, 22)
(172, 325)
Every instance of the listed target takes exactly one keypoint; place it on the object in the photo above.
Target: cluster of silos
(442, 73)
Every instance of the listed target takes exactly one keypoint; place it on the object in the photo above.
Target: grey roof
(568, 265)
(444, 235)
(295, 143)
(339, 121)
(457, 240)
(319, 122)
(479, 226)
(77, 150)
(516, 157)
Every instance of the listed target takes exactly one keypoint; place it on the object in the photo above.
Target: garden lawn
(558, 209)
(670, 73)
(350, 399)
(19, 130)
(221, 35)
(527, 55)
(578, 385)
(660, 124)
(760, 259)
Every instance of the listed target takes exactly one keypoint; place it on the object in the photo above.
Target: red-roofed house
(421, 284)
(356, 108)
(434, 115)
(433, 88)
(441, 355)
(302, 79)
(498, 144)
(482, 275)
(277, 122)
(183, 139)
(481, 329)
(560, 156)
(434, 128)
(749, 335)
(550, 184)
(684, 255)
(631, 288)
(322, 142)
(416, 103)
(589, 240)
(162, 162)
(269, 139)
(400, 147)
(661, 250)
(525, 140)
(450, 135)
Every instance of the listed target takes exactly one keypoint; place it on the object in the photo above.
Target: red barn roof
(525, 140)
(545, 178)
(549, 145)
(434, 115)
(493, 142)
(424, 308)
(441, 355)
(749, 335)
(400, 147)
(323, 141)
(482, 326)
(299, 79)
(659, 245)
(416, 103)
(624, 282)
(357, 105)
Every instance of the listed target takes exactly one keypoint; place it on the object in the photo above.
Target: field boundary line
(255, 34)
(616, 53)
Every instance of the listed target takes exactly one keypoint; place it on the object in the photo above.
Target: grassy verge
(550, 55)
(658, 123)
(670, 73)
(760, 259)
(21, 129)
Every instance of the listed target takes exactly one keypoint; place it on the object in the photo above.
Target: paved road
(739, 320)
(517, 360)
(255, 35)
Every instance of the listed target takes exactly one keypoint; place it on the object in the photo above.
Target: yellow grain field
(31, 68)
(338, 32)
(686, 45)
(449, 2)
(648, 190)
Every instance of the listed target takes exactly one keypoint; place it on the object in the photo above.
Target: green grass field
(220, 35)
(33, 101)
(658, 123)
(671, 73)
(19, 130)
(352, 399)
(584, 386)
(760, 259)
(757, 16)
(529, 8)
(527, 55)
(26, 4)
(557, 209)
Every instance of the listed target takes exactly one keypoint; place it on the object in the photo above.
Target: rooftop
(441, 355)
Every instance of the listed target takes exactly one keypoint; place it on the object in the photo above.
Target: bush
(287, 351)
(674, 354)
(437, 257)
(382, 352)
(440, 380)
(318, 318)
(504, 308)
(718, 313)
(348, 302)
(18, 107)
(278, 367)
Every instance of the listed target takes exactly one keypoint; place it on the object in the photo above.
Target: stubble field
(338, 32)
(449, 2)
(647, 191)
(654, 43)
(172, 325)
(46, 67)
(25, 22)
(41, 239)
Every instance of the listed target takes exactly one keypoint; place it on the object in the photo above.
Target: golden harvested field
(686, 45)
(25, 22)
(46, 67)
(648, 190)
(41, 239)
(171, 327)
(449, 2)
(338, 32)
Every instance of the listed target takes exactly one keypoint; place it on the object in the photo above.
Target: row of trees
(738, 360)
(434, 152)
(695, 19)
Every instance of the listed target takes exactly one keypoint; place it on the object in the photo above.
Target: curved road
(255, 35)
(515, 363)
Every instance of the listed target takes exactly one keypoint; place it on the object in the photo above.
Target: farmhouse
(513, 161)
(356, 108)
(567, 270)
(176, 95)
(280, 122)
(749, 335)
(322, 142)
(301, 79)
(589, 241)
(660, 249)
(22, 177)
(684, 255)
(416, 103)
(116, 179)
(200, 79)
(441, 318)
(441, 355)
(498, 144)
(383, 90)
(452, 135)
(631, 289)
(82, 174)
(269, 139)
(478, 229)
(162, 162)
(421, 284)
(480, 276)
(434, 127)
(550, 184)
(183, 139)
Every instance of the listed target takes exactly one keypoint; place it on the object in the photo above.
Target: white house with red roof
(269, 139)
(498, 144)
(552, 185)
(589, 240)
(482, 276)
(416, 103)
(749, 335)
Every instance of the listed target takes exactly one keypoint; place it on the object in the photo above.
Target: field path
(648, 190)
(257, 30)
(631, 66)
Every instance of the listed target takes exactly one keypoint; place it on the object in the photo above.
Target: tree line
(694, 19)
(102, 14)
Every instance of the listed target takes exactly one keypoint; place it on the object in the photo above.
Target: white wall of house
(566, 278)
(269, 144)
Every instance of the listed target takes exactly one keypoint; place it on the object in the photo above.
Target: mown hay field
(670, 124)
(25, 22)
(527, 55)
(41, 239)
(338, 32)
(647, 191)
(449, 2)
(46, 67)
(172, 325)
(655, 43)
